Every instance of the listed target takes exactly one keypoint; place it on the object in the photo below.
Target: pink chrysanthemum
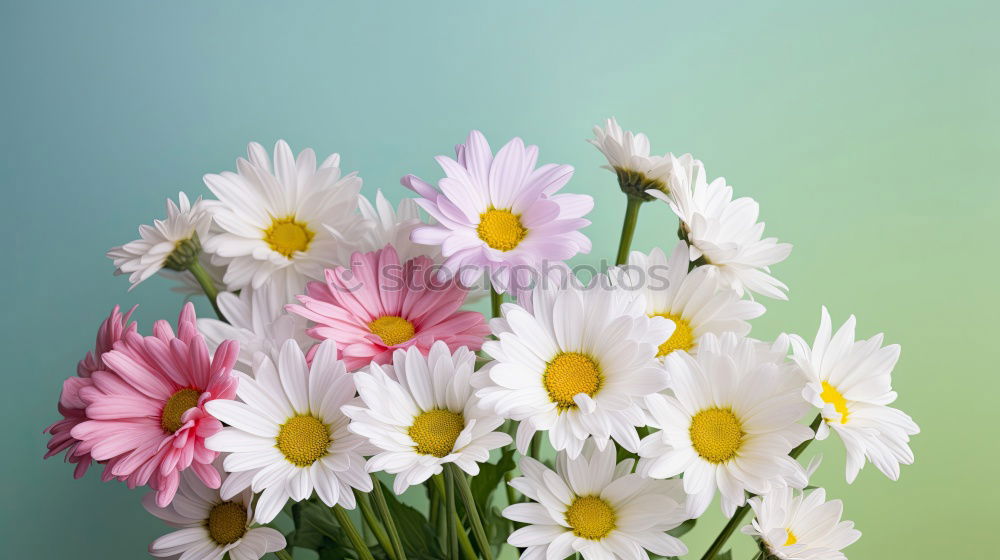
(501, 214)
(380, 305)
(112, 329)
(146, 408)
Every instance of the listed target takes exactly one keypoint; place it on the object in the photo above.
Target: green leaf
(419, 539)
(683, 528)
(490, 478)
(727, 555)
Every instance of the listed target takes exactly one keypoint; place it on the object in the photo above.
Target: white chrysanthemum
(696, 301)
(725, 233)
(576, 363)
(390, 226)
(729, 422)
(286, 224)
(421, 413)
(210, 526)
(172, 242)
(288, 436)
(628, 157)
(798, 526)
(592, 506)
(851, 383)
(258, 321)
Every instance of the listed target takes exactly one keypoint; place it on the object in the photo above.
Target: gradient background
(867, 132)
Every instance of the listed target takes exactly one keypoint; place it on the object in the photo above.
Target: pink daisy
(501, 214)
(146, 408)
(380, 305)
(112, 329)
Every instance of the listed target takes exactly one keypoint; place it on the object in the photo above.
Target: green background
(867, 131)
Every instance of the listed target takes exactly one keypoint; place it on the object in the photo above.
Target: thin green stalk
(373, 523)
(536, 447)
(741, 512)
(473, 512)
(284, 555)
(352, 533)
(463, 539)
(207, 286)
(628, 229)
(759, 555)
(450, 513)
(390, 524)
(496, 298)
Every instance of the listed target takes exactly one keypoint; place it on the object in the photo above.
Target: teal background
(867, 131)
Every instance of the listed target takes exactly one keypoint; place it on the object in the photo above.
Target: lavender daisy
(501, 214)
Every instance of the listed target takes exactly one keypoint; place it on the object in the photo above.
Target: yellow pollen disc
(591, 517)
(286, 235)
(392, 330)
(716, 434)
(501, 229)
(227, 522)
(569, 374)
(791, 538)
(303, 439)
(177, 405)
(831, 395)
(435, 431)
(681, 339)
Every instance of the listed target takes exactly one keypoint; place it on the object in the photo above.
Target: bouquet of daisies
(343, 400)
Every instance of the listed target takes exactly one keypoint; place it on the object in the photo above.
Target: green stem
(284, 555)
(496, 298)
(535, 452)
(390, 524)
(628, 229)
(741, 512)
(208, 286)
(473, 512)
(463, 539)
(759, 555)
(372, 522)
(352, 533)
(450, 513)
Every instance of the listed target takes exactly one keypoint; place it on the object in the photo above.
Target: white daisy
(628, 157)
(725, 233)
(288, 436)
(793, 525)
(210, 526)
(592, 506)
(696, 301)
(851, 383)
(393, 227)
(420, 413)
(728, 422)
(283, 225)
(258, 321)
(576, 363)
(172, 243)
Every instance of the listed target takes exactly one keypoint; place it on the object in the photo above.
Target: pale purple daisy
(500, 214)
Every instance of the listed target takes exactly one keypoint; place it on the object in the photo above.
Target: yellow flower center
(501, 229)
(831, 395)
(392, 330)
(227, 522)
(178, 403)
(303, 439)
(288, 236)
(591, 517)
(435, 431)
(792, 539)
(569, 374)
(716, 434)
(682, 337)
